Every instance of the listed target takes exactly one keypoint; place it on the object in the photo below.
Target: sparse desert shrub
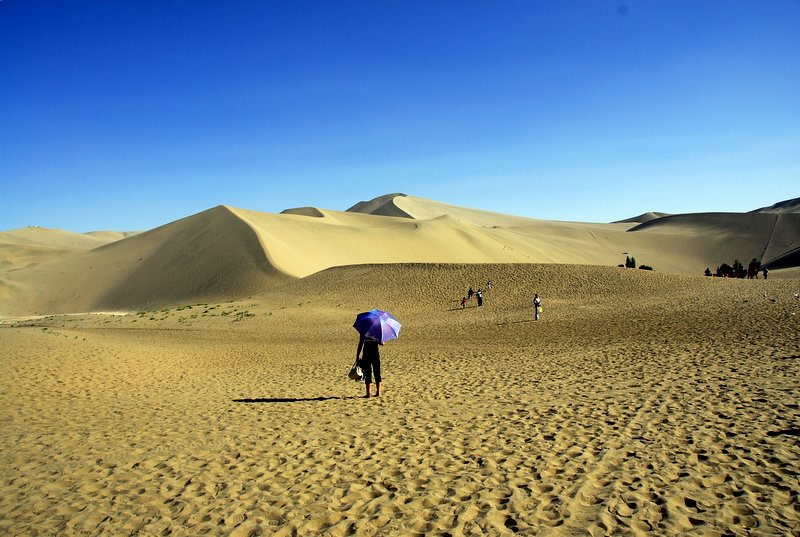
(630, 262)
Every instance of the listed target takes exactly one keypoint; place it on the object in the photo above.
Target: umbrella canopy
(377, 324)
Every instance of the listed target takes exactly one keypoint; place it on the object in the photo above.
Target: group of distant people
(478, 295)
(738, 270)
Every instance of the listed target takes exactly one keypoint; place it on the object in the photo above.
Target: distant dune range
(231, 252)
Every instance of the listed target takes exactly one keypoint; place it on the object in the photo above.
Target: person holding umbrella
(374, 328)
(370, 362)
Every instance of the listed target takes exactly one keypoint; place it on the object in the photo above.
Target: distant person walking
(463, 302)
(470, 293)
(479, 294)
(766, 271)
(370, 362)
(537, 306)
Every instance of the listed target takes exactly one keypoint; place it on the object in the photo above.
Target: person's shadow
(289, 399)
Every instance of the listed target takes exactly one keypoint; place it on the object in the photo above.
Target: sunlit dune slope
(302, 245)
(21, 247)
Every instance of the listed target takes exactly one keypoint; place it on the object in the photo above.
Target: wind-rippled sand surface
(639, 403)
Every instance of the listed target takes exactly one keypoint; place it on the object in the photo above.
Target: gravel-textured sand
(639, 403)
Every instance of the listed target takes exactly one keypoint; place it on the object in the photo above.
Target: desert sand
(641, 403)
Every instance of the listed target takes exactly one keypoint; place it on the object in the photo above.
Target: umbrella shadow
(290, 399)
(787, 432)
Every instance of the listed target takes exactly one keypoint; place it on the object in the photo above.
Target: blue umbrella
(378, 325)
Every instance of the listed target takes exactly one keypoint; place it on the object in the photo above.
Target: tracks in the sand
(593, 491)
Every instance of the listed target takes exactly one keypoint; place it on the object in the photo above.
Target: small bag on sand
(356, 373)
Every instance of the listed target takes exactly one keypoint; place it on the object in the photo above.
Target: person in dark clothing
(479, 294)
(370, 362)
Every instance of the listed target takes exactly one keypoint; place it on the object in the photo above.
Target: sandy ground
(639, 403)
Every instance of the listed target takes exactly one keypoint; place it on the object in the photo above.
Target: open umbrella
(377, 324)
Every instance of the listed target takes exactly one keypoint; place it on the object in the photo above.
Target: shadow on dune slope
(210, 254)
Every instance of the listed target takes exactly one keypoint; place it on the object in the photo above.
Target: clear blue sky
(129, 114)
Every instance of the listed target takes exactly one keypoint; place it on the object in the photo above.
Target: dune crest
(381, 206)
(304, 211)
(642, 218)
(788, 206)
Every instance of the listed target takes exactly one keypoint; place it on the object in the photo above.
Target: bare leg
(378, 389)
(368, 385)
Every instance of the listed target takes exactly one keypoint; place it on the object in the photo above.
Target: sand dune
(381, 206)
(231, 252)
(27, 247)
(765, 235)
(22, 247)
(208, 254)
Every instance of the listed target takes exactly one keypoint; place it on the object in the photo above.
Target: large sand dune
(231, 252)
(213, 253)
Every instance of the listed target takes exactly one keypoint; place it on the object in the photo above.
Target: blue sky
(130, 114)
